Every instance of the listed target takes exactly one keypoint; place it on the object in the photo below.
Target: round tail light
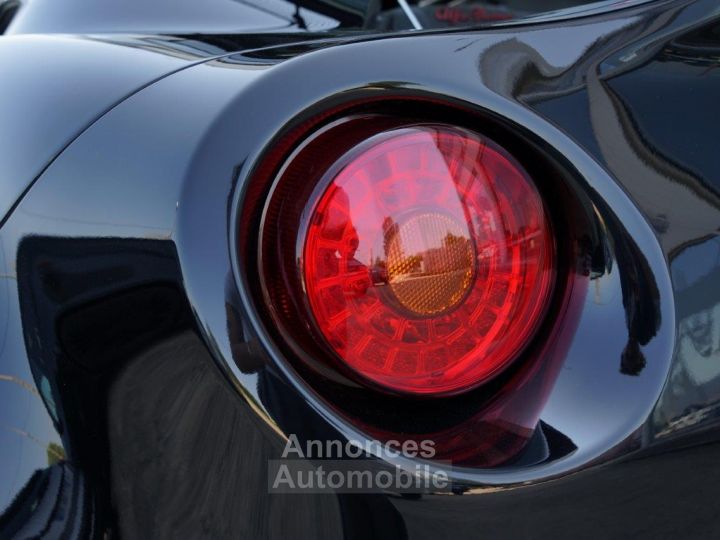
(424, 258)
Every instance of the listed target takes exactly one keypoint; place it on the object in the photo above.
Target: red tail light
(424, 258)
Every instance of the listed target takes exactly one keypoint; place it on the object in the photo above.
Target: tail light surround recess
(365, 404)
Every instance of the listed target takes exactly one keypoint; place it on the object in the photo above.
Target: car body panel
(55, 86)
(138, 213)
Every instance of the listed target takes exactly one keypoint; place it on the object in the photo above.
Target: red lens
(428, 260)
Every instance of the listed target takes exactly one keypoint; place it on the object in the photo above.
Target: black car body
(144, 386)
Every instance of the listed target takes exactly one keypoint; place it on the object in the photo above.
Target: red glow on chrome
(428, 260)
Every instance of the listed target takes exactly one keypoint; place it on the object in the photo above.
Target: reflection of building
(430, 263)
(694, 383)
(452, 256)
(412, 248)
(392, 247)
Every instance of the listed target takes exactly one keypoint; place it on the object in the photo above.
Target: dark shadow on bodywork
(88, 307)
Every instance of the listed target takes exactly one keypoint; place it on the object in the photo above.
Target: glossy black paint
(237, 17)
(169, 433)
(89, 77)
(164, 16)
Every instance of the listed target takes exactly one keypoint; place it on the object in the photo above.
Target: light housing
(415, 259)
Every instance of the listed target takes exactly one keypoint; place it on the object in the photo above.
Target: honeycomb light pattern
(428, 260)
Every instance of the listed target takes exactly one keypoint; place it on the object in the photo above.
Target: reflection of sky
(25, 427)
(598, 372)
(431, 233)
(166, 16)
(593, 402)
(385, 186)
